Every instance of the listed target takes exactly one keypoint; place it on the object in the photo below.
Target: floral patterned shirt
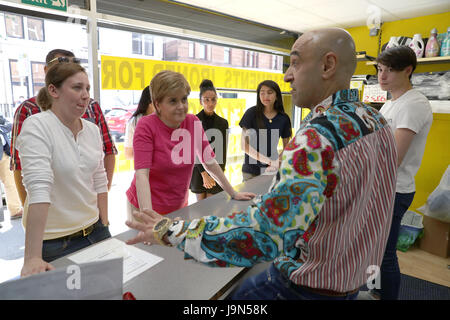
(327, 218)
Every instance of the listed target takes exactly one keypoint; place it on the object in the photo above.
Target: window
(37, 76)
(137, 43)
(250, 59)
(274, 62)
(19, 81)
(226, 55)
(35, 29)
(228, 95)
(201, 51)
(148, 45)
(191, 49)
(14, 26)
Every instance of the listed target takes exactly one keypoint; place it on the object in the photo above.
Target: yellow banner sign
(134, 74)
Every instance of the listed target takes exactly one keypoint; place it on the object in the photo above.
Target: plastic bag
(438, 202)
(411, 229)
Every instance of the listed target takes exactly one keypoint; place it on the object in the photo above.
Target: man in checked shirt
(93, 113)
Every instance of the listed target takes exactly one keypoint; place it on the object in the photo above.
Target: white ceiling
(304, 15)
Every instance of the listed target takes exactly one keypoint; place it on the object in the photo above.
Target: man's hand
(149, 219)
(35, 265)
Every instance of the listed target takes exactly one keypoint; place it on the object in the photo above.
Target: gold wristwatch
(160, 229)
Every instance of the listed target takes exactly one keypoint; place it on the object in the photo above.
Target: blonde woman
(163, 167)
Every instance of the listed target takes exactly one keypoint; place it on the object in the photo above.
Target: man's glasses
(64, 59)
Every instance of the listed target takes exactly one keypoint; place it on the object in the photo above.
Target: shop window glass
(37, 76)
(19, 81)
(201, 51)
(191, 49)
(35, 29)
(148, 45)
(274, 62)
(137, 43)
(14, 26)
(226, 55)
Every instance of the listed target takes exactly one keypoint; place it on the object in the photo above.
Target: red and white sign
(373, 93)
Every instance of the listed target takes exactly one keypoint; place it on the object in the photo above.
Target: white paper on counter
(135, 260)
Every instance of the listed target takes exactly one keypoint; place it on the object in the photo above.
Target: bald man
(325, 221)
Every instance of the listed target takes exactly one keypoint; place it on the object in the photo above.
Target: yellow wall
(435, 160)
(407, 28)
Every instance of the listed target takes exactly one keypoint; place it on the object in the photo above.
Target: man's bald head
(335, 40)
(322, 62)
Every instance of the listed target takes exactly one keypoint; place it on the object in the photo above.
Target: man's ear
(408, 70)
(52, 91)
(329, 63)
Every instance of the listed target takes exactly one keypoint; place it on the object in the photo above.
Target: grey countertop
(179, 279)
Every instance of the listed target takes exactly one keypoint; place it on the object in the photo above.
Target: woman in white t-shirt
(62, 166)
(145, 107)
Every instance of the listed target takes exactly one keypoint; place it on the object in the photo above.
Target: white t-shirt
(62, 171)
(412, 111)
(129, 131)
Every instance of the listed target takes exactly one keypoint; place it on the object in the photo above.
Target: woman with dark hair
(202, 184)
(145, 107)
(262, 127)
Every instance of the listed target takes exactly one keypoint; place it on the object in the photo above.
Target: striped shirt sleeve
(23, 111)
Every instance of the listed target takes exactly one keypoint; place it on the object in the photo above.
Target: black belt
(82, 233)
(330, 293)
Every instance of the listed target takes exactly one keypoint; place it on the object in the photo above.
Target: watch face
(160, 224)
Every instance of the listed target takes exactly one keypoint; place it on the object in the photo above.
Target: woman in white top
(145, 107)
(62, 159)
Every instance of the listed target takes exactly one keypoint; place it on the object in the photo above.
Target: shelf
(445, 59)
(364, 57)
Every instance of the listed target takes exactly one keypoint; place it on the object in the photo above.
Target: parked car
(117, 120)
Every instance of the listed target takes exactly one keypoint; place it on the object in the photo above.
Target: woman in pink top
(165, 144)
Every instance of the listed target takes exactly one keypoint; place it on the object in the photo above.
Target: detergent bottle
(445, 46)
(417, 45)
(392, 43)
(432, 48)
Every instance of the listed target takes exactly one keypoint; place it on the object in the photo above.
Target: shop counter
(177, 278)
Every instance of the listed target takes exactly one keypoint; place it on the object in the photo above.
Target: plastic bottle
(432, 48)
(392, 43)
(417, 45)
(445, 46)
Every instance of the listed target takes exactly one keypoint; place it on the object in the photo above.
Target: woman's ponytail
(43, 99)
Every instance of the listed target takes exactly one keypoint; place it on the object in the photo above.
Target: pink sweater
(169, 154)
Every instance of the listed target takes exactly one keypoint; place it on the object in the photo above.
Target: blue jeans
(390, 271)
(57, 248)
(272, 285)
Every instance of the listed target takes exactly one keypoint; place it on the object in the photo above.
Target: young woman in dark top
(202, 184)
(262, 126)
(145, 107)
